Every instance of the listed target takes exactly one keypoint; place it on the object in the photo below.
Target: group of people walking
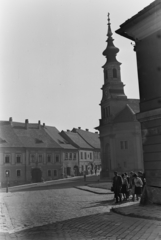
(127, 186)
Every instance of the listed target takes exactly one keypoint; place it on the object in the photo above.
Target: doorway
(36, 174)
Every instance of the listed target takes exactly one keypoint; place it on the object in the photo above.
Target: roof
(128, 113)
(125, 115)
(151, 8)
(8, 137)
(76, 139)
(91, 138)
(34, 136)
(134, 105)
(55, 135)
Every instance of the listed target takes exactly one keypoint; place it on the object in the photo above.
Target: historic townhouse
(93, 140)
(28, 153)
(31, 152)
(120, 132)
(69, 153)
(85, 156)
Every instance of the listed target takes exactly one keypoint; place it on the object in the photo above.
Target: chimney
(87, 130)
(79, 127)
(10, 121)
(43, 125)
(26, 123)
(39, 124)
(96, 132)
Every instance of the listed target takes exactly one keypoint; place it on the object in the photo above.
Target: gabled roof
(8, 138)
(91, 138)
(15, 134)
(75, 139)
(55, 135)
(125, 115)
(35, 137)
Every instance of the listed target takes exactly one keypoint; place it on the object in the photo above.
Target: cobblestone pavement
(71, 214)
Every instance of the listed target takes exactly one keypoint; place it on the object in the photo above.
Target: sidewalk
(129, 208)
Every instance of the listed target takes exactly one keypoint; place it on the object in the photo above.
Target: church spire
(110, 51)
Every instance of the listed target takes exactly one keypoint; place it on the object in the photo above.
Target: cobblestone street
(69, 213)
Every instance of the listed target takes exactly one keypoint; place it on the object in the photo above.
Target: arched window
(114, 73)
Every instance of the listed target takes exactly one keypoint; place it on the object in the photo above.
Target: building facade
(93, 140)
(28, 154)
(69, 153)
(86, 152)
(34, 152)
(120, 132)
(144, 29)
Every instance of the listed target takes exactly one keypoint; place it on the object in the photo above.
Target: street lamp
(7, 175)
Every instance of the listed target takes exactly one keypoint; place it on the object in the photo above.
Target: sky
(51, 59)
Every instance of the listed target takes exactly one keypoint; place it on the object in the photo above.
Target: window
(7, 159)
(66, 155)
(40, 158)
(90, 155)
(18, 158)
(106, 112)
(124, 145)
(18, 173)
(49, 158)
(85, 155)
(49, 173)
(55, 173)
(32, 158)
(114, 73)
(57, 158)
(74, 156)
(81, 155)
(70, 155)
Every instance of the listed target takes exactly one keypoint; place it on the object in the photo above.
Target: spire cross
(108, 19)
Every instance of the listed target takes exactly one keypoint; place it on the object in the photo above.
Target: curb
(88, 190)
(114, 210)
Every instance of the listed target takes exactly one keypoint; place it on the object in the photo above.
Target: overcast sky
(51, 59)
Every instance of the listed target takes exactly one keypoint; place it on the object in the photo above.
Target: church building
(120, 131)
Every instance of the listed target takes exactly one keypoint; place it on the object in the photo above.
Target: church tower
(120, 134)
(113, 88)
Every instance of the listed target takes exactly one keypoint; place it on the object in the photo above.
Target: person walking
(124, 189)
(117, 185)
(138, 186)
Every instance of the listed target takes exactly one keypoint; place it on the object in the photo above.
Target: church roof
(134, 104)
(91, 138)
(128, 113)
(110, 51)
